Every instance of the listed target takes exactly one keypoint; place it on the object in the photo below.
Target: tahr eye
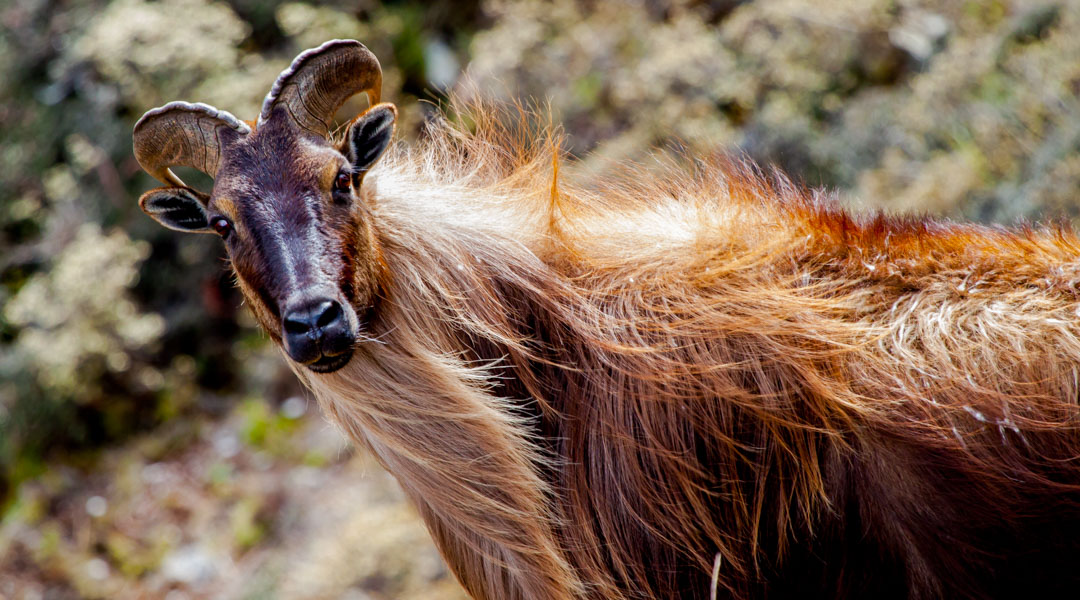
(221, 226)
(343, 183)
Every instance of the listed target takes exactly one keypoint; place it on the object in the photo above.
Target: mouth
(330, 363)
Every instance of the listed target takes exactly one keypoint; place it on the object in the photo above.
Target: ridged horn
(320, 80)
(182, 134)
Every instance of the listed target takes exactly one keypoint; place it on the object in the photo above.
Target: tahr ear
(368, 136)
(179, 208)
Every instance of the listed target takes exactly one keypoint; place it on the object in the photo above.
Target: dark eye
(343, 183)
(221, 226)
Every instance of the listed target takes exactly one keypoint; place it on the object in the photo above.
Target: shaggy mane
(595, 385)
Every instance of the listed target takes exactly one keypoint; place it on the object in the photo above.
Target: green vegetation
(151, 440)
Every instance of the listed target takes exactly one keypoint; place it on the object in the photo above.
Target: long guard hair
(600, 386)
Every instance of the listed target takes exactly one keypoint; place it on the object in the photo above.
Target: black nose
(305, 320)
(317, 331)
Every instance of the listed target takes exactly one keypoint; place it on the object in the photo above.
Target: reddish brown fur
(596, 387)
(595, 390)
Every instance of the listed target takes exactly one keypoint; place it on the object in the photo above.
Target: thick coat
(605, 390)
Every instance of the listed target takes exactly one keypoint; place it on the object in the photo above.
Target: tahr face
(288, 207)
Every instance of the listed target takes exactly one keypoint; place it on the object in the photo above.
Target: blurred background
(152, 444)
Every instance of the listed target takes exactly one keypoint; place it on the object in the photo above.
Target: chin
(329, 364)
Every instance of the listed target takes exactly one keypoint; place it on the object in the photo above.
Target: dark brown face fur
(286, 203)
(295, 235)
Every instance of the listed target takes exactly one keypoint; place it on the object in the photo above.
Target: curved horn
(320, 80)
(182, 134)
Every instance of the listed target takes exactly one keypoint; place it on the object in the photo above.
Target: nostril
(296, 324)
(329, 312)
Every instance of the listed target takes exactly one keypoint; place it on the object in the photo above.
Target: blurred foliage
(150, 439)
(81, 338)
(967, 108)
